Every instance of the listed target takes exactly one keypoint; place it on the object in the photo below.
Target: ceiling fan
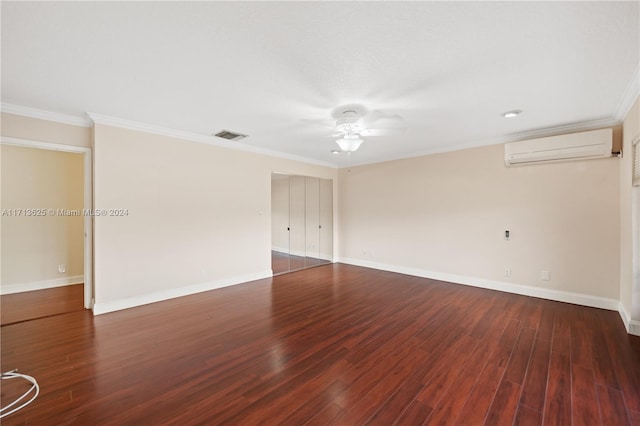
(353, 122)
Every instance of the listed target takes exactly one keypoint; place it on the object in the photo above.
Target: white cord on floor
(14, 375)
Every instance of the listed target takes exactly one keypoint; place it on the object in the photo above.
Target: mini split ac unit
(576, 146)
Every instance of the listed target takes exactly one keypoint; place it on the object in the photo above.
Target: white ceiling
(277, 70)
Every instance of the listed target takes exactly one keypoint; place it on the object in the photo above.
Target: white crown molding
(563, 129)
(629, 96)
(107, 120)
(582, 126)
(44, 115)
(40, 285)
(158, 296)
(542, 293)
(7, 140)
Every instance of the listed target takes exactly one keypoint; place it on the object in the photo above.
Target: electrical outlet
(62, 268)
(545, 276)
(507, 272)
(203, 274)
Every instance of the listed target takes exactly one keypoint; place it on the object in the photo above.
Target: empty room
(320, 213)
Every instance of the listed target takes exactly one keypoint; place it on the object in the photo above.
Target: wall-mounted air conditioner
(575, 146)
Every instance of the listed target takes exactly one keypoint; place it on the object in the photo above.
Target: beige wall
(192, 208)
(197, 208)
(16, 126)
(446, 214)
(325, 239)
(629, 293)
(33, 247)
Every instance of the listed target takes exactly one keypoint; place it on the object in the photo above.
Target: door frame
(87, 203)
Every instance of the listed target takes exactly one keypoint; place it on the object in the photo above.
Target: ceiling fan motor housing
(349, 125)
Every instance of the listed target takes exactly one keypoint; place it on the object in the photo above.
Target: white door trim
(88, 203)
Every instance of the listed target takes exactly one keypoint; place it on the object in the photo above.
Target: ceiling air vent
(232, 136)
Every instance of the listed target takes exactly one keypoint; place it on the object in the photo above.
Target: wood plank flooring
(30, 305)
(332, 345)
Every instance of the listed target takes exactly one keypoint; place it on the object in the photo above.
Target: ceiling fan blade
(328, 124)
(380, 132)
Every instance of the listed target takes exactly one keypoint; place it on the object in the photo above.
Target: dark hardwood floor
(41, 303)
(335, 344)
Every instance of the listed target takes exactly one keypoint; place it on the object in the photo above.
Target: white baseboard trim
(144, 299)
(542, 293)
(632, 326)
(40, 285)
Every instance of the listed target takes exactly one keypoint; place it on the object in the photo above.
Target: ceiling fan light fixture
(349, 125)
(512, 114)
(349, 143)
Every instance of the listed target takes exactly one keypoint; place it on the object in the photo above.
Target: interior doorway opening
(46, 229)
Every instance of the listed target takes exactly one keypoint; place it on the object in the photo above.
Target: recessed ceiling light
(511, 114)
(335, 151)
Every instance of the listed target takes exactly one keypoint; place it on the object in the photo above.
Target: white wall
(629, 255)
(34, 246)
(199, 216)
(195, 207)
(325, 239)
(444, 216)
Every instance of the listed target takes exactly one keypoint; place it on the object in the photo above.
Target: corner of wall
(632, 326)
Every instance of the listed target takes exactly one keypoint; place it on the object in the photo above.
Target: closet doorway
(301, 222)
